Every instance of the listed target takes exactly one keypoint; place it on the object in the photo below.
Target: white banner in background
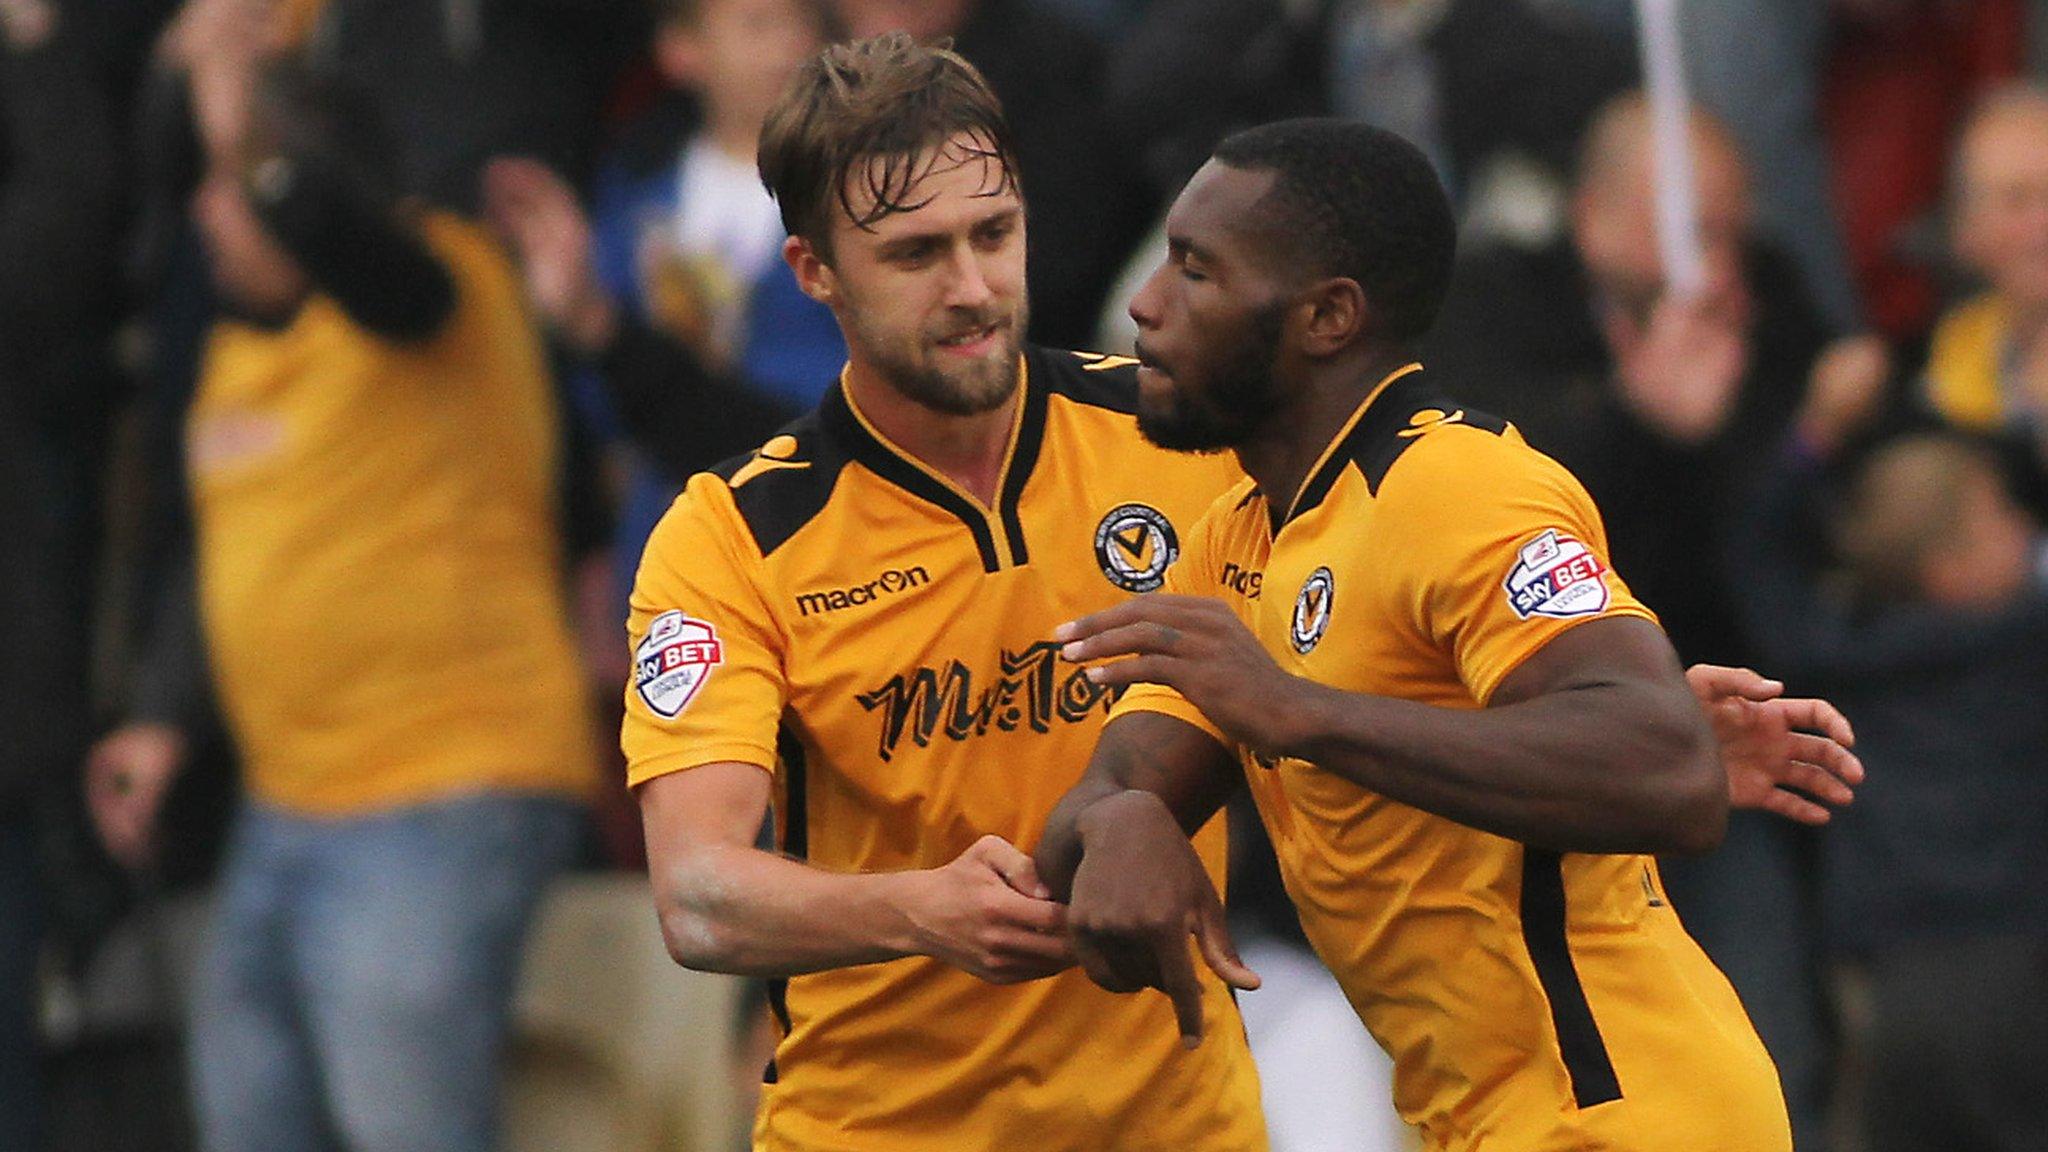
(1678, 235)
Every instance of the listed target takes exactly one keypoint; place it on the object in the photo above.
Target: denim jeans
(21, 915)
(357, 986)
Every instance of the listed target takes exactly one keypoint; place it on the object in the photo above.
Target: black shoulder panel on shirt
(1086, 377)
(1389, 429)
(1410, 409)
(783, 485)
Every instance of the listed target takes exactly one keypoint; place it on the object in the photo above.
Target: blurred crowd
(349, 350)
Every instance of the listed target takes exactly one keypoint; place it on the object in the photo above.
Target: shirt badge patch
(1135, 544)
(1312, 610)
(674, 661)
(1556, 576)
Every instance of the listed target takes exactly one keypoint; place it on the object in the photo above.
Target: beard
(1231, 405)
(968, 388)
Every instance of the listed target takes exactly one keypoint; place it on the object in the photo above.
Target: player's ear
(813, 275)
(1334, 313)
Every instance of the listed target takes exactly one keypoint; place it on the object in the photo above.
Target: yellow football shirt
(1964, 363)
(834, 612)
(1531, 1000)
(379, 560)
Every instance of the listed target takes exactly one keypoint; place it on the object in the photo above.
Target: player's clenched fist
(1138, 896)
(987, 914)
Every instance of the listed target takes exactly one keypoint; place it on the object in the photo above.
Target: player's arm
(699, 735)
(1593, 744)
(1116, 848)
(728, 906)
(1143, 761)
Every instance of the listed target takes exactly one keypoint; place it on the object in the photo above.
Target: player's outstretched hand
(1139, 894)
(1771, 763)
(1195, 645)
(987, 914)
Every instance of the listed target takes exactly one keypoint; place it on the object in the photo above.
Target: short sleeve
(1503, 551)
(707, 681)
(1195, 573)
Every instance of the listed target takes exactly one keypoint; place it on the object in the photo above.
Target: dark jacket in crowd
(1088, 206)
(1948, 838)
(461, 81)
(58, 225)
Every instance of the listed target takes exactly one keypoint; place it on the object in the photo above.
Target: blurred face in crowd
(923, 19)
(250, 270)
(1614, 213)
(931, 296)
(738, 54)
(1210, 319)
(1987, 557)
(2002, 198)
(1930, 517)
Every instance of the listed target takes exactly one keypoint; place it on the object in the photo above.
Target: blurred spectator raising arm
(372, 461)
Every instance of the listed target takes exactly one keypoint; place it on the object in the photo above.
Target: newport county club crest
(1135, 544)
(1312, 610)
(674, 661)
(1555, 575)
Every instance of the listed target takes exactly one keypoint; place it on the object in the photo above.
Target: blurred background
(511, 262)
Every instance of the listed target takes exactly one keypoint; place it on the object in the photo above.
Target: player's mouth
(977, 341)
(1150, 367)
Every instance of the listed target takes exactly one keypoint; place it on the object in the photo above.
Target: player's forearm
(744, 911)
(1605, 767)
(1059, 849)
(1175, 763)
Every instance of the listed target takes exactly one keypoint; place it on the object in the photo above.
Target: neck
(738, 136)
(1278, 457)
(968, 450)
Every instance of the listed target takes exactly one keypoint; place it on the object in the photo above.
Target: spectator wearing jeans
(371, 457)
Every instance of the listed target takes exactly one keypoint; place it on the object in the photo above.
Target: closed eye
(990, 234)
(912, 253)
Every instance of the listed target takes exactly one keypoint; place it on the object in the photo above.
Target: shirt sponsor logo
(1135, 544)
(1243, 581)
(1312, 610)
(674, 661)
(1555, 575)
(887, 584)
(1028, 691)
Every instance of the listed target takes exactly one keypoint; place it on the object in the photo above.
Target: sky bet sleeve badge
(674, 661)
(1556, 576)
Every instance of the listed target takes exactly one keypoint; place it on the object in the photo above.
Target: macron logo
(887, 584)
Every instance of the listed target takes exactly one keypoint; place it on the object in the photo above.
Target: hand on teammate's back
(1138, 896)
(987, 914)
(1771, 763)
